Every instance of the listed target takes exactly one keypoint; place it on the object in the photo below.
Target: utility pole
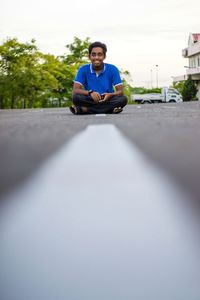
(151, 79)
(157, 76)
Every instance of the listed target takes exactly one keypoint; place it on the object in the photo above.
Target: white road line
(173, 107)
(100, 115)
(98, 221)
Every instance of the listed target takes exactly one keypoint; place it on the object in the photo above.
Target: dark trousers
(99, 108)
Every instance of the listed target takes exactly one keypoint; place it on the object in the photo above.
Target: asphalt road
(119, 229)
(167, 133)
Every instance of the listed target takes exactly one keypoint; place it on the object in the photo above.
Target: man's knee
(77, 99)
(122, 100)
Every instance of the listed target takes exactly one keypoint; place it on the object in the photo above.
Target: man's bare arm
(78, 89)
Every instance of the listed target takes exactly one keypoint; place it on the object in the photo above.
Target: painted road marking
(98, 221)
(100, 115)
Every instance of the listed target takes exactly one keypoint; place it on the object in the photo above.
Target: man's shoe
(117, 110)
(76, 110)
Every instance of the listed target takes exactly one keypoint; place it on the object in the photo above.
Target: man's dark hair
(98, 44)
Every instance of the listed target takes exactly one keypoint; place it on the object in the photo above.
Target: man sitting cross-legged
(97, 86)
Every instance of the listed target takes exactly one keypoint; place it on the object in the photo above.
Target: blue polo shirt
(102, 82)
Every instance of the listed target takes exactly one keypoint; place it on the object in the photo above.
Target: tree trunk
(24, 103)
(1, 103)
(31, 102)
(12, 102)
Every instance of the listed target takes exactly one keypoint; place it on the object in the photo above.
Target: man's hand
(95, 96)
(105, 97)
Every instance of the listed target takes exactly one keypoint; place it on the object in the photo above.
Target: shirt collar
(93, 71)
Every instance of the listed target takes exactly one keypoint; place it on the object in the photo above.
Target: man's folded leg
(113, 105)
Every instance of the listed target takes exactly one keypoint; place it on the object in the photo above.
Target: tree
(51, 73)
(189, 90)
(78, 52)
(77, 55)
(14, 58)
(29, 78)
(126, 79)
(179, 86)
(142, 90)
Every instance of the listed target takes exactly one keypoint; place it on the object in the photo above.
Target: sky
(139, 34)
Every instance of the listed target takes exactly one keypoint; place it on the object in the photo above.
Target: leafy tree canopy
(30, 78)
(189, 90)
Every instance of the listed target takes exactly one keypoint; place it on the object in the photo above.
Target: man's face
(97, 57)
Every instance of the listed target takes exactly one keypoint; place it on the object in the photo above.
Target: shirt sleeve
(80, 78)
(116, 77)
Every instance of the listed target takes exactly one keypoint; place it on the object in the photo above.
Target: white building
(192, 52)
